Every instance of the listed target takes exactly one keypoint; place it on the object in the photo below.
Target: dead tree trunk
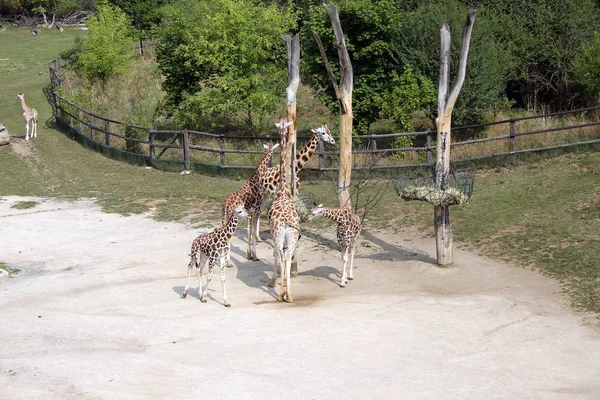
(293, 50)
(344, 95)
(442, 225)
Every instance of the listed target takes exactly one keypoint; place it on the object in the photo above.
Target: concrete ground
(96, 313)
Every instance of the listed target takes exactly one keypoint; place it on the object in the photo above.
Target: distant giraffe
(284, 221)
(270, 179)
(250, 196)
(29, 114)
(348, 233)
(214, 248)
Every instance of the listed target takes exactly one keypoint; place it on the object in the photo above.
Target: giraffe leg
(222, 265)
(257, 225)
(26, 130)
(288, 280)
(345, 260)
(275, 263)
(252, 236)
(35, 128)
(208, 280)
(282, 267)
(200, 263)
(351, 275)
(228, 262)
(187, 285)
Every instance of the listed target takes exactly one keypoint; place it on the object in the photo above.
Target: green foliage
(224, 61)
(144, 14)
(368, 28)
(409, 94)
(107, 49)
(586, 69)
(133, 133)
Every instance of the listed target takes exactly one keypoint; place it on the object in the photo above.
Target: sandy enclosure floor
(95, 313)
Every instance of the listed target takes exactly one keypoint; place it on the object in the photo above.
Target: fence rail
(192, 149)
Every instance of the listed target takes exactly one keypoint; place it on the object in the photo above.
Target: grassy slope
(544, 214)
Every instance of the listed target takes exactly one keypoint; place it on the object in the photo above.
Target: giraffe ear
(266, 147)
(288, 124)
(277, 124)
(275, 146)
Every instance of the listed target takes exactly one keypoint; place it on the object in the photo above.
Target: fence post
(107, 132)
(512, 136)
(429, 155)
(92, 127)
(186, 150)
(374, 149)
(71, 115)
(222, 153)
(79, 119)
(320, 151)
(57, 106)
(151, 145)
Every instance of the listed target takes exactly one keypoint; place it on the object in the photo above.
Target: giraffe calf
(348, 233)
(214, 248)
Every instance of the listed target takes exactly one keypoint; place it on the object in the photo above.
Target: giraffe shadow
(325, 272)
(195, 293)
(391, 251)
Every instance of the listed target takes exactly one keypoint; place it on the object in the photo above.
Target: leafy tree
(224, 61)
(543, 38)
(586, 70)
(107, 47)
(369, 26)
(144, 14)
(417, 43)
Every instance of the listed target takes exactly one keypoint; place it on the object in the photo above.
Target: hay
(435, 196)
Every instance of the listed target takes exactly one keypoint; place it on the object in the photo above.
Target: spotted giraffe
(250, 196)
(29, 114)
(270, 179)
(214, 248)
(284, 221)
(348, 233)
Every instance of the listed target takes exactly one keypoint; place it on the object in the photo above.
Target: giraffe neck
(306, 152)
(25, 106)
(283, 155)
(230, 226)
(261, 168)
(335, 214)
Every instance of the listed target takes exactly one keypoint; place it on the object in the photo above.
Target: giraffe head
(21, 96)
(316, 211)
(282, 124)
(270, 146)
(324, 134)
(240, 212)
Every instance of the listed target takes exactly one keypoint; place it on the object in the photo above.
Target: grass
(543, 214)
(24, 205)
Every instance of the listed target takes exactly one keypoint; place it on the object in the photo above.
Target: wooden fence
(197, 150)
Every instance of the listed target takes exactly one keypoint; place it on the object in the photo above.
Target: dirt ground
(96, 313)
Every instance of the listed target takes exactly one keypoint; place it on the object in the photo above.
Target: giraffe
(214, 248)
(270, 179)
(29, 114)
(284, 221)
(251, 197)
(348, 233)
